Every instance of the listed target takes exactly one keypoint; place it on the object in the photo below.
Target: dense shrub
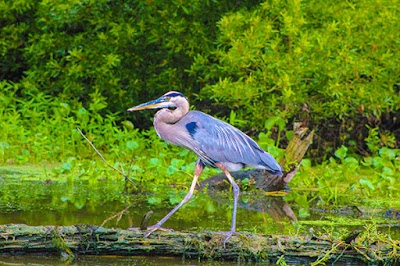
(125, 51)
(334, 65)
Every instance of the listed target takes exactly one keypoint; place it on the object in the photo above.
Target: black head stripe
(174, 94)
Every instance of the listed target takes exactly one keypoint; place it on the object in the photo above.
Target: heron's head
(172, 99)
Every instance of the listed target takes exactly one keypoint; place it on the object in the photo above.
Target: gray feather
(217, 141)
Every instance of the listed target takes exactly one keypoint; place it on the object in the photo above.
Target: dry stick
(130, 168)
(119, 215)
(102, 157)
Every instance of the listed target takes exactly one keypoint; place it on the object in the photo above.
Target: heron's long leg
(197, 171)
(236, 191)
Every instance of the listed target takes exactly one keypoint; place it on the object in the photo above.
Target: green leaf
(341, 153)
(128, 124)
(154, 200)
(351, 162)
(83, 115)
(289, 134)
(306, 163)
(4, 145)
(303, 213)
(132, 145)
(153, 162)
(66, 166)
(271, 122)
(171, 170)
(365, 182)
(385, 152)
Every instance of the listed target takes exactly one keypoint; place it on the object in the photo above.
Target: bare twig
(130, 168)
(118, 215)
(104, 160)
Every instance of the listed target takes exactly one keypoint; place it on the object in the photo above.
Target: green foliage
(44, 130)
(368, 181)
(376, 139)
(80, 64)
(123, 51)
(307, 60)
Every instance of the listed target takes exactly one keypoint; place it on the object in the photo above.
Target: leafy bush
(123, 51)
(320, 62)
(371, 181)
(44, 130)
(334, 65)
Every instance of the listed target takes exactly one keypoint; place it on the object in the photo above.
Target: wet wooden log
(19, 239)
(264, 180)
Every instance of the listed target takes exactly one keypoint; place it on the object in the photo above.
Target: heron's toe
(156, 227)
(228, 235)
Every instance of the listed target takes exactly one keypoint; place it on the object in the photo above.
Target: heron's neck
(166, 116)
(165, 120)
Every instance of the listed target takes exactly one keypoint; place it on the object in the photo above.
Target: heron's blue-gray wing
(217, 141)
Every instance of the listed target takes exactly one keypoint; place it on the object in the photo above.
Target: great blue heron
(216, 143)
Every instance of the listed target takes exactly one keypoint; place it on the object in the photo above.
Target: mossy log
(19, 239)
(264, 180)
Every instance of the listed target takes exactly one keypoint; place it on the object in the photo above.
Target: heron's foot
(156, 227)
(228, 235)
(137, 229)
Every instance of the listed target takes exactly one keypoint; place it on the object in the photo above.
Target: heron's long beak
(161, 102)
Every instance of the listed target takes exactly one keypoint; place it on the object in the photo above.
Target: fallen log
(19, 239)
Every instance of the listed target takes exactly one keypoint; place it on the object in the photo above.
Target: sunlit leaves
(112, 60)
(4, 145)
(98, 102)
(365, 178)
(83, 115)
(154, 200)
(327, 55)
(154, 162)
(341, 153)
(132, 145)
(365, 182)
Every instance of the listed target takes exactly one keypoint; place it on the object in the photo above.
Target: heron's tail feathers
(271, 164)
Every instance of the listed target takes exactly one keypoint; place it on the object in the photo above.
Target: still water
(69, 203)
(109, 204)
(104, 261)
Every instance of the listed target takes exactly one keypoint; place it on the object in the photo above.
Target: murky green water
(41, 203)
(44, 202)
(104, 261)
(68, 203)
